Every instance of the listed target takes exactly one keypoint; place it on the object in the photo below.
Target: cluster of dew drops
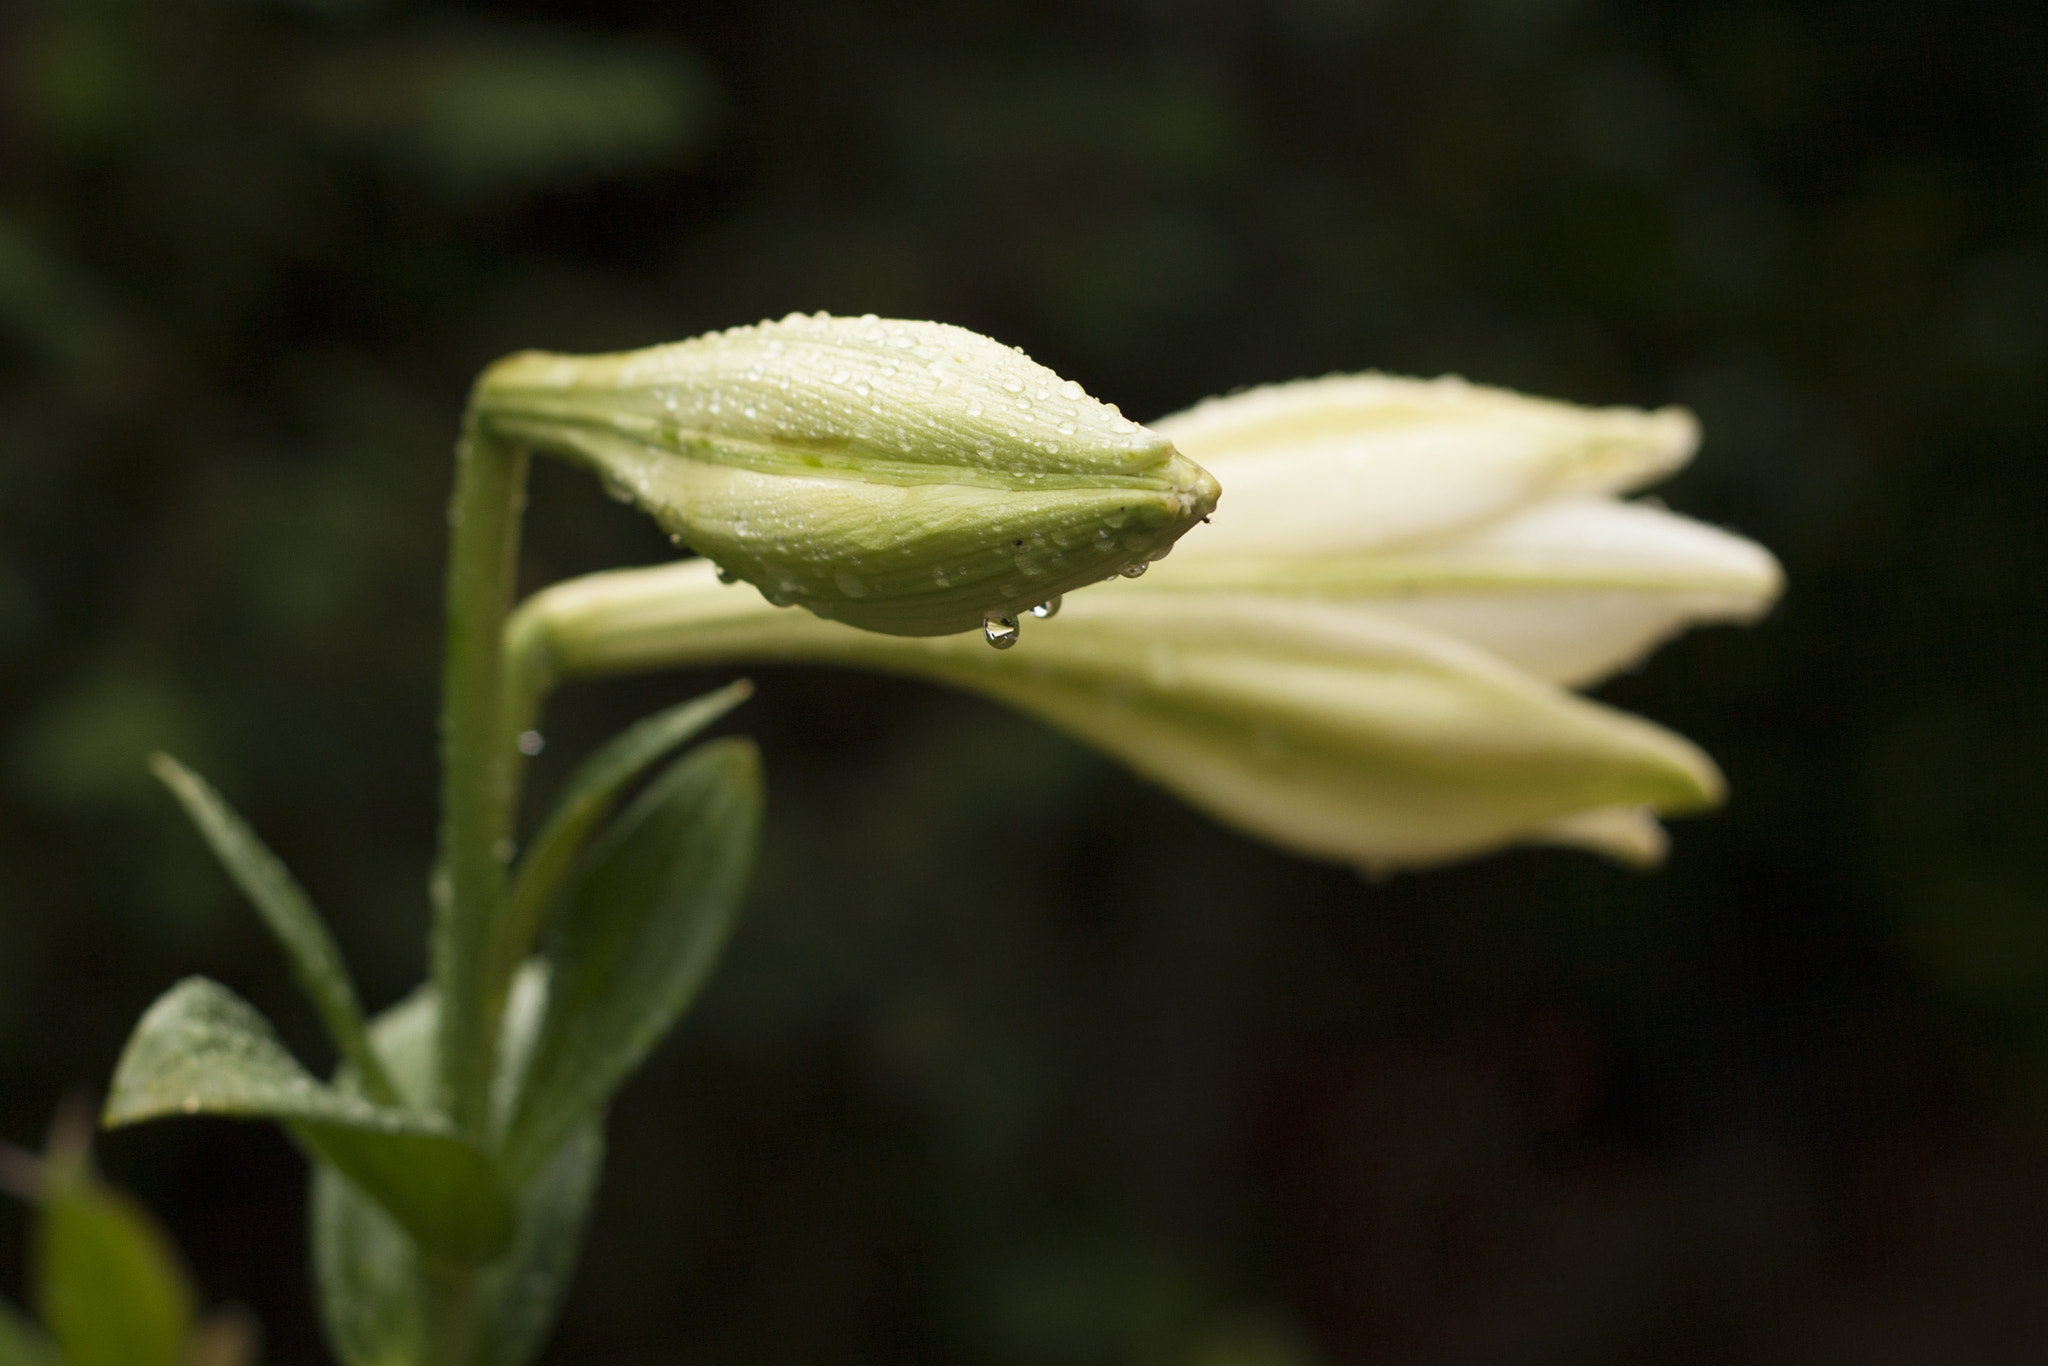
(1002, 629)
(869, 357)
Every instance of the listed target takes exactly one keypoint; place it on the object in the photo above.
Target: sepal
(201, 1049)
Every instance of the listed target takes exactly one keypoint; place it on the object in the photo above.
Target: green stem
(478, 766)
(525, 679)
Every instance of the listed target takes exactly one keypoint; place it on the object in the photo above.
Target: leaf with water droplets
(286, 910)
(201, 1049)
(640, 934)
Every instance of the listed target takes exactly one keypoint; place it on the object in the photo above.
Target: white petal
(1628, 834)
(1362, 462)
(1574, 590)
(1570, 590)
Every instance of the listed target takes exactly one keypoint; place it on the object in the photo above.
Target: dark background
(1015, 1061)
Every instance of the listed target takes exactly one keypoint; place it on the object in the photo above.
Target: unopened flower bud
(910, 478)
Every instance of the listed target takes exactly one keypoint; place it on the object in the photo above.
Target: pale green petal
(1571, 590)
(1356, 463)
(1627, 834)
(1320, 728)
(905, 477)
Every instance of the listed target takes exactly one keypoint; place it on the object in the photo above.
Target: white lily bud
(904, 477)
(1321, 730)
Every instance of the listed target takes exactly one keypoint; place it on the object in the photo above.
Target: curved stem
(478, 765)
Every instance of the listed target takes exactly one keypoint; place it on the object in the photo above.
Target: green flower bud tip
(911, 478)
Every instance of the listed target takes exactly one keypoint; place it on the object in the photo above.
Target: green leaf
(202, 1049)
(583, 803)
(640, 934)
(110, 1285)
(363, 1263)
(523, 1293)
(315, 958)
(365, 1269)
(365, 1266)
(22, 1343)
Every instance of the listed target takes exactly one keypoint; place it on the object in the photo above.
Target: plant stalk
(478, 792)
(478, 765)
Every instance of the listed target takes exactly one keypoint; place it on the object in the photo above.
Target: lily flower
(1366, 658)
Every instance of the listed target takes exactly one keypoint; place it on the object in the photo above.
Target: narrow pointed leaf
(109, 1282)
(203, 1050)
(640, 934)
(589, 795)
(364, 1265)
(22, 1343)
(315, 958)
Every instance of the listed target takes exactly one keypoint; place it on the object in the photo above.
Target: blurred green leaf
(586, 799)
(22, 1343)
(316, 960)
(110, 1285)
(203, 1050)
(76, 75)
(363, 1263)
(491, 107)
(640, 934)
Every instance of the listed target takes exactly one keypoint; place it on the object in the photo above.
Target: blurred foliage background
(1015, 1061)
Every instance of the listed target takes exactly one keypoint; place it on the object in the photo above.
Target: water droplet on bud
(1134, 570)
(726, 575)
(1000, 629)
(1049, 608)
